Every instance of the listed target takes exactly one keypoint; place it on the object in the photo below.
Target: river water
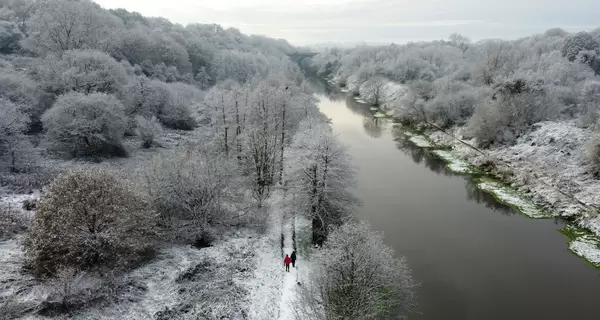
(475, 258)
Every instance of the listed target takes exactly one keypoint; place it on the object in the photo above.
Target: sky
(307, 22)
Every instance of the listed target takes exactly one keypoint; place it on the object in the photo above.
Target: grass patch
(510, 197)
(583, 243)
(456, 164)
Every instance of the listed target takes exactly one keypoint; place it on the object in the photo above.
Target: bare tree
(355, 275)
(374, 90)
(188, 188)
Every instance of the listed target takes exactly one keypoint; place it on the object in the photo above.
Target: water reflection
(475, 194)
(374, 127)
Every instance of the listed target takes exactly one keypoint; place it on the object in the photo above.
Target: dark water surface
(475, 258)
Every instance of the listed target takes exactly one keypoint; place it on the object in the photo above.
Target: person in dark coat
(286, 262)
(293, 258)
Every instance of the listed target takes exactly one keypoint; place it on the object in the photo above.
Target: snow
(290, 279)
(418, 140)
(505, 195)
(265, 287)
(380, 114)
(587, 249)
(454, 163)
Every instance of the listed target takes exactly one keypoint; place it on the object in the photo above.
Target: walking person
(286, 262)
(293, 258)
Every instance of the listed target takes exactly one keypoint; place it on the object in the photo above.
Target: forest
(147, 171)
(497, 88)
(526, 110)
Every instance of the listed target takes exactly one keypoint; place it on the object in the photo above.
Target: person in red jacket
(286, 262)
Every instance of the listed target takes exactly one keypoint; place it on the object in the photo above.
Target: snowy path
(290, 279)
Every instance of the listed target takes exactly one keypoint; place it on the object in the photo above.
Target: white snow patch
(509, 197)
(454, 163)
(587, 249)
(380, 114)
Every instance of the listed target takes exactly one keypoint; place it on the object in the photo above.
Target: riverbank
(542, 176)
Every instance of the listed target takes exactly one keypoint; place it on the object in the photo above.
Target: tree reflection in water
(475, 194)
(374, 127)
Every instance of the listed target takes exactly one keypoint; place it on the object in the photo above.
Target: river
(475, 258)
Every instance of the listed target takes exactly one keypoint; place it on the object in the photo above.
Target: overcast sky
(305, 22)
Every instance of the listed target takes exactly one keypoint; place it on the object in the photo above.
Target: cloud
(313, 21)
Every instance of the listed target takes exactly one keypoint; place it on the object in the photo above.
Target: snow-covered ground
(290, 279)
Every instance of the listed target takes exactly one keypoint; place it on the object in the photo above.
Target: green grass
(573, 233)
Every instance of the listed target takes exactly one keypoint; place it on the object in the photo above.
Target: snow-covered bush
(148, 130)
(80, 125)
(356, 276)
(84, 71)
(88, 219)
(187, 188)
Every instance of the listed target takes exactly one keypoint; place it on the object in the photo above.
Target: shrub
(82, 125)
(148, 130)
(177, 116)
(187, 187)
(12, 222)
(69, 289)
(89, 219)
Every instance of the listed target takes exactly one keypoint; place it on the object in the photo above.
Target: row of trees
(496, 88)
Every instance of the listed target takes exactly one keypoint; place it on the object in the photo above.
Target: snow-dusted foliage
(355, 275)
(15, 149)
(84, 71)
(148, 130)
(61, 25)
(89, 219)
(499, 88)
(81, 125)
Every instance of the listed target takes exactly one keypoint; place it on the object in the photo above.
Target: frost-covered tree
(374, 90)
(80, 125)
(188, 188)
(319, 175)
(84, 71)
(16, 152)
(355, 275)
(61, 25)
(89, 218)
(25, 94)
(460, 41)
(576, 43)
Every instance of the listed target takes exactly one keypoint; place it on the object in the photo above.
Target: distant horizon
(313, 23)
